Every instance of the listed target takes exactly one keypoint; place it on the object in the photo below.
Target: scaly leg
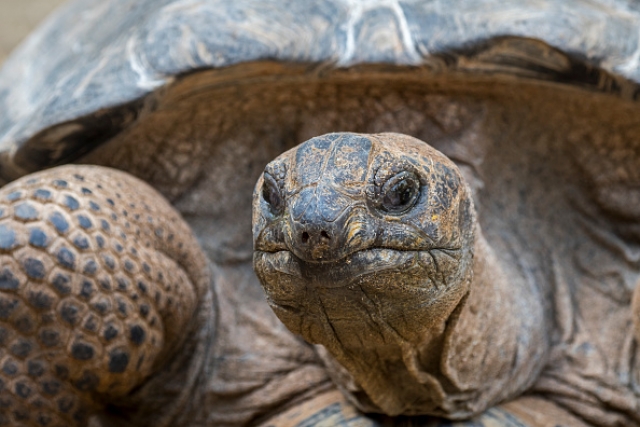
(100, 279)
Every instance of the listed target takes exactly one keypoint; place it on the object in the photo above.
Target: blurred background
(18, 18)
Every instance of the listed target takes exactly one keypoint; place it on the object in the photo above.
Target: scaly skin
(99, 282)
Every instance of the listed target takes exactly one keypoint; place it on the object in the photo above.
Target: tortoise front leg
(100, 279)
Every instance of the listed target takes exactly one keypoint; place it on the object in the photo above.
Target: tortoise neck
(486, 347)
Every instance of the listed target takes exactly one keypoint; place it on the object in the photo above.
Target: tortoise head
(361, 236)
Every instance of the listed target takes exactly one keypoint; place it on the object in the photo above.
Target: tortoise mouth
(354, 267)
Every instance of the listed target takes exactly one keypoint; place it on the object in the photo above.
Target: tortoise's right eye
(271, 194)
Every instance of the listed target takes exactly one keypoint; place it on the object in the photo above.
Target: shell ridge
(357, 10)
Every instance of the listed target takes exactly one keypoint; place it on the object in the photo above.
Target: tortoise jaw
(354, 265)
(367, 292)
(350, 268)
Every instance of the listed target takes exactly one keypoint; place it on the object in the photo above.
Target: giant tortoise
(484, 277)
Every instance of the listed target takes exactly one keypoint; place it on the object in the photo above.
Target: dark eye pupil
(399, 195)
(400, 192)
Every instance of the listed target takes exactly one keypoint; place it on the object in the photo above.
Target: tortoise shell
(94, 68)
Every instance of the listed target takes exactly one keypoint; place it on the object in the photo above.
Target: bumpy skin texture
(364, 244)
(99, 282)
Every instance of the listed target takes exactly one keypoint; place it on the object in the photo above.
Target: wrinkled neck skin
(472, 349)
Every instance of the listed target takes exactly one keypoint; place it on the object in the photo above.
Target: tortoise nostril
(325, 235)
(305, 237)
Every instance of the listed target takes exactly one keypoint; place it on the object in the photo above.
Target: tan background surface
(18, 18)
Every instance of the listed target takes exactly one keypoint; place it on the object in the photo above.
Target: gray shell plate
(83, 76)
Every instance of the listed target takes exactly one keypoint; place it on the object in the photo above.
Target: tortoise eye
(400, 192)
(271, 194)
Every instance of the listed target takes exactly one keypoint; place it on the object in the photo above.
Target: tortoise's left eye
(271, 194)
(400, 192)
